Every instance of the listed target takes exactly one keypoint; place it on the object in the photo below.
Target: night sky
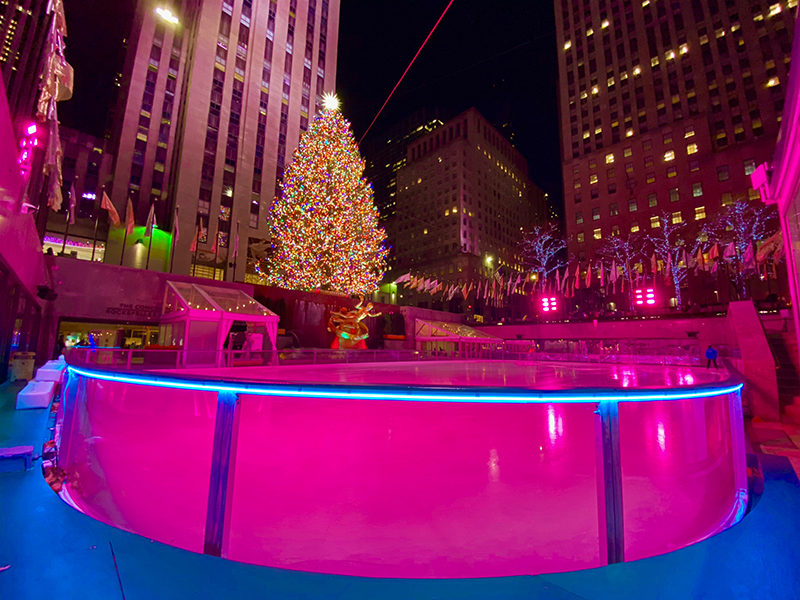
(499, 57)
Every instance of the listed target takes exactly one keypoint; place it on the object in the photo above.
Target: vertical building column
(223, 466)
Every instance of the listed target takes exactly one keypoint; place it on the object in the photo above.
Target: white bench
(37, 394)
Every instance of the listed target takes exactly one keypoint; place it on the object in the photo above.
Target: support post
(610, 495)
(223, 467)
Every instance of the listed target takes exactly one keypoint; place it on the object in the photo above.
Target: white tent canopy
(452, 337)
(199, 317)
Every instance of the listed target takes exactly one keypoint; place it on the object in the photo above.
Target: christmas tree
(325, 225)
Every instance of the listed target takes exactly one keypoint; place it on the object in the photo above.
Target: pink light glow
(404, 489)
(651, 301)
(31, 129)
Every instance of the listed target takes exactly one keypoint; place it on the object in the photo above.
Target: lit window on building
(677, 218)
(632, 206)
(672, 172)
(723, 173)
(654, 61)
(674, 195)
(691, 149)
(578, 218)
(651, 178)
(596, 214)
(727, 199)
(749, 166)
(598, 234)
(614, 230)
(634, 226)
(654, 222)
(753, 194)
(699, 213)
(627, 152)
(697, 189)
(593, 178)
(648, 161)
(609, 158)
(629, 167)
(613, 209)
(652, 200)
(567, 44)
(581, 237)
(669, 155)
(694, 165)
(689, 131)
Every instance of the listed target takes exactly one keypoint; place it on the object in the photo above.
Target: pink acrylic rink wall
(413, 480)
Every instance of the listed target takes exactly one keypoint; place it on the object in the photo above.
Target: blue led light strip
(513, 396)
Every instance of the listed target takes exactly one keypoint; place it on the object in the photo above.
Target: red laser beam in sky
(406, 71)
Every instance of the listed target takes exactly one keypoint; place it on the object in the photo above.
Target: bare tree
(668, 242)
(739, 224)
(544, 249)
(623, 250)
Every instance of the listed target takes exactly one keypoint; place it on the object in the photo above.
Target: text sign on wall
(140, 311)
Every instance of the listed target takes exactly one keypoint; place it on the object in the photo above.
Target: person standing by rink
(711, 355)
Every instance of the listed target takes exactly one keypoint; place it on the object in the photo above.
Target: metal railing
(612, 351)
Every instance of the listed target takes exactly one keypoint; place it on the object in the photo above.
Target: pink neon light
(651, 301)
(650, 290)
(639, 302)
(31, 129)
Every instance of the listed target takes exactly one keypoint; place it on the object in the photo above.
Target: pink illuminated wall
(405, 488)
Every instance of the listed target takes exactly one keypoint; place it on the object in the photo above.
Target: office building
(463, 199)
(24, 25)
(88, 163)
(214, 96)
(665, 107)
(387, 155)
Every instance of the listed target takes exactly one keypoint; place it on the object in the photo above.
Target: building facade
(665, 107)
(24, 25)
(88, 163)
(463, 199)
(387, 155)
(214, 97)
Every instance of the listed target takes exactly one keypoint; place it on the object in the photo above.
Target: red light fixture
(549, 304)
(645, 297)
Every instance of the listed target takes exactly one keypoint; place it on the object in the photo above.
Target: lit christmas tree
(325, 225)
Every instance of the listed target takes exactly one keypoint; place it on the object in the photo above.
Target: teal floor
(54, 551)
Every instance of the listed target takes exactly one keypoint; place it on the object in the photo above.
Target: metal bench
(23, 452)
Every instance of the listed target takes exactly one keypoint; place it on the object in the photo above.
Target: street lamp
(489, 260)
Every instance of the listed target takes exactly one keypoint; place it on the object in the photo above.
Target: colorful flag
(498, 277)
(151, 221)
(612, 276)
(602, 277)
(130, 220)
(653, 264)
(558, 280)
(216, 237)
(700, 261)
(175, 232)
(685, 258)
(713, 254)
(193, 247)
(106, 204)
(730, 251)
(588, 281)
(403, 278)
(73, 202)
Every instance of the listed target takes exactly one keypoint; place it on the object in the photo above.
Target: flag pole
(196, 247)
(96, 220)
(150, 245)
(216, 248)
(124, 243)
(172, 246)
(66, 233)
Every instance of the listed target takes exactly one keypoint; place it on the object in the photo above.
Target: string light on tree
(325, 225)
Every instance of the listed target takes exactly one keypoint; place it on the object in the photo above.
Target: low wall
(756, 364)
(710, 330)
(95, 291)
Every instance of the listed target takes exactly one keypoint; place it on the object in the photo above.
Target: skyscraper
(23, 31)
(215, 94)
(463, 199)
(387, 155)
(665, 106)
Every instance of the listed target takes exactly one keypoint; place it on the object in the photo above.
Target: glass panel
(415, 489)
(118, 445)
(678, 484)
(235, 301)
(192, 296)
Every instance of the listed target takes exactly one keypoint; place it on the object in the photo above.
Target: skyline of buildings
(463, 199)
(214, 96)
(665, 107)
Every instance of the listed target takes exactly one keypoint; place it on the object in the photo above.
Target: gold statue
(350, 332)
